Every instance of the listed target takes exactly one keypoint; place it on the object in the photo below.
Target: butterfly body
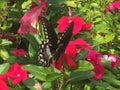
(54, 46)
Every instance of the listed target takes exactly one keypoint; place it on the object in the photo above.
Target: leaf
(105, 39)
(31, 51)
(79, 76)
(47, 85)
(71, 3)
(53, 76)
(12, 59)
(5, 42)
(32, 39)
(4, 54)
(111, 80)
(29, 83)
(4, 67)
(82, 55)
(84, 65)
(38, 71)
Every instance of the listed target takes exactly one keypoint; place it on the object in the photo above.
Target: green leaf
(29, 83)
(12, 59)
(3, 4)
(31, 51)
(71, 3)
(82, 55)
(38, 71)
(5, 42)
(4, 54)
(111, 80)
(53, 76)
(4, 67)
(47, 85)
(84, 65)
(78, 76)
(32, 39)
(105, 39)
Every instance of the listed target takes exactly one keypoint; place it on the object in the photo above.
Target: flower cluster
(114, 5)
(77, 45)
(15, 73)
(113, 59)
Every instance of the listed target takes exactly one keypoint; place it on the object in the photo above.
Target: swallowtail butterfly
(53, 46)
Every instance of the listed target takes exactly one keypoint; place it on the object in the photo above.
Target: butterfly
(53, 46)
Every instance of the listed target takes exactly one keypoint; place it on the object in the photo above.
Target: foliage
(103, 37)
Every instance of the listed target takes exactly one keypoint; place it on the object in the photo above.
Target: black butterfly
(53, 46)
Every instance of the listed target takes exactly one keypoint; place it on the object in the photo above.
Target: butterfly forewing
(63, 41)
(50, 34)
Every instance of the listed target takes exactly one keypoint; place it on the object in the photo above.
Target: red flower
(18, 52)
(67, 59)
(70, 53)
(7, 36)
(3, 85)
(113, 59)
(65, 20)
(113, 6)
(86, 26)
(3, 81)
(30, 21)
(94, 58)
(17, 74)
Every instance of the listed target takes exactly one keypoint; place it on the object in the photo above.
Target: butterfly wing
(50, 34)
(44, 54)
(47, 47)
(63, 41)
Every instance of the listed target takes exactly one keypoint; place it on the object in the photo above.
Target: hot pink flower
(65, 20)
(113, 59)
(7, 36)
(30, 21)
(94, 58)
(64, 57)
(113, 6)
(17, 74)
(70, 53)
(3, 81)
(18, 52)
(86, 27)
(3, 85)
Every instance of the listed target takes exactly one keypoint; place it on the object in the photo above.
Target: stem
(62, 81)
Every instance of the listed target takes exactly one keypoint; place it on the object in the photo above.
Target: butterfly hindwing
(44, 54)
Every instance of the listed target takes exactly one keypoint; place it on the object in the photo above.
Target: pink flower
(113, 59)
(65, 20)
(94, 58)
(86, 27)
(70, 53)
(7, 36)
(18, 52)
(3, 82)
(17, 74)
(3, 85)
(67, 59)
(113, 6)
(30, 21)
